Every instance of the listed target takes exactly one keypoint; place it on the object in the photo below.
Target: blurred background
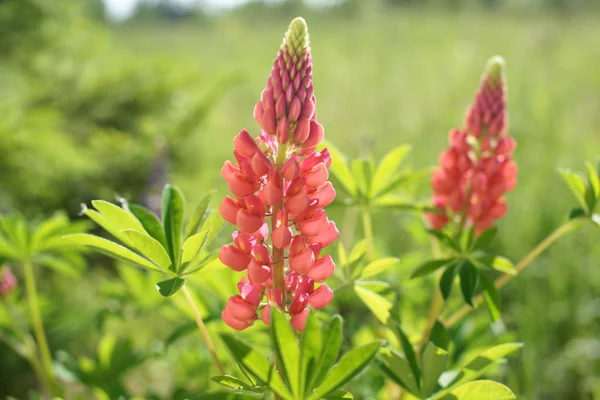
(115, 97)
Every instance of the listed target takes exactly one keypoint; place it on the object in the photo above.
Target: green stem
(368, 230)
(570, 226)
(45, 362)
(203, 330)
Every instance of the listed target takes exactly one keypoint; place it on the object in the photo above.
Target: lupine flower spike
(8, 282)
(280, 187)
(476, 170)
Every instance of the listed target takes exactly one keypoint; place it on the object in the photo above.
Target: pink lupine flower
(476, 170)
(8, 282)
(280, 186)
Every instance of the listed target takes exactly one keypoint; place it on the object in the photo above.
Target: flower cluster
(280, 176)
(476, 170)
(8, 282)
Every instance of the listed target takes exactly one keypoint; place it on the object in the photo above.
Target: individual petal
(248, 222)
(228, 209)
(302, 262)
(320, 297)
(322, 269)
(258, 272)
(245, 144)
(324, 194)
(234, 258)
(298, 321)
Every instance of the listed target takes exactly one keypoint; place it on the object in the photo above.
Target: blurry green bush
(79, 120)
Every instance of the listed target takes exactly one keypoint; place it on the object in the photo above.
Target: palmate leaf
(431, 266)
(173, 208)
(340, 170)
(434, 362)
(398, 368)
(112, 249)
(378, 266)
(149, 247)
(231, 382)
(577, 186)
(170, 286)
(286, 350)
(310, 352)
(350, 365)
(387, 169)
(479, 364)
(490, 295)
(151, 223)
(478, 390)
(332, 342)
(469, 279)
(117, 216)
(199, 215)
(259, 366)
(379, 305)
(192, 247)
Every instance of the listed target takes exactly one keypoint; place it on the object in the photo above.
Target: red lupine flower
(476, 170)
(8, 282)
(279, 176)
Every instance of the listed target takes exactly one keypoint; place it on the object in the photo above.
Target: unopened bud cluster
(280, 178)
(477, 170)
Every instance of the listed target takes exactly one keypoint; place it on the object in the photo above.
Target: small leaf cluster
(377, 185)
(586, 189)
(164, 245)
(427, 375)
(308, 368)
(42, 243)
(357, 273)
(468, 260)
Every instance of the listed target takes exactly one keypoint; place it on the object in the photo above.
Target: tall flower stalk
(280, 188)
(477, 170)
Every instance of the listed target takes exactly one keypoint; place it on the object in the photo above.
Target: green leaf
(490, 295)
(170, 286)
(485, 238)
(112, 249)
(577, 212)
(102, 221)
(388, 169)
(339, 395)
(593, 178)
(379, 305)
(444, 239)
(577, 186)
(192, 246)
(362, 170)
(378, 266)
(286, 350)
(409, 353)
(332, 342)
(503, 264)
(150, 222)
(49, 227)
(352, 363)
(261, 367)
(447, 280)
(399, 370)
(310, 351)
(120, 218)
(230, 382)
(434, 362)
(431, 266)
(339, 168)
(468, 281)
(478, 390)
(149, 247)
(173, 208)
(242, 395)
(480, 363)
(439, 335)
(199, 215)
(214, 224)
